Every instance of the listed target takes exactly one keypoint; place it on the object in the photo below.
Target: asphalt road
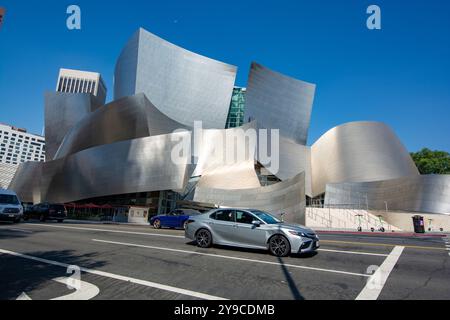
(131, 262)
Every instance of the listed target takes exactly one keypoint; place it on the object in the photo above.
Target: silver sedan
(252, 229)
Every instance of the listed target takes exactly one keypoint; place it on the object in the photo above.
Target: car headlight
(297, 233)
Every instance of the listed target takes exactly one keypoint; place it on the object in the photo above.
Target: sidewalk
(378, 233)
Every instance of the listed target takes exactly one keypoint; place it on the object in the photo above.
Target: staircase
(349, 219)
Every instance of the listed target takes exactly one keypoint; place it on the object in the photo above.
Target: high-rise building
(237, 107)
(17, 146)
(76, 81)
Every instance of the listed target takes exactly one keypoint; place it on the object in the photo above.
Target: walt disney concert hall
(122, 150)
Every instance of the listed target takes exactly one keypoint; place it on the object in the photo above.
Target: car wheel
(157, 224)
(42, 218)
(17, 220)
(25, 218)
(203, 238)
(279, 246)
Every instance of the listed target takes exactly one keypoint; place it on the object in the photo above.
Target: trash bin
(419, 224)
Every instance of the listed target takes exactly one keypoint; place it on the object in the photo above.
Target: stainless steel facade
(137, 165)
(216, 164)
(286, 197)
(27, 181)
(426, 194)
(184, 85)
(62, 112)
(358, 152)
(276, 101)
(124, 119)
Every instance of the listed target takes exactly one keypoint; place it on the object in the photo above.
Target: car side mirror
(256, 223)
(282, 216)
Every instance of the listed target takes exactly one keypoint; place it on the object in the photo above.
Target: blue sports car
(175, 219)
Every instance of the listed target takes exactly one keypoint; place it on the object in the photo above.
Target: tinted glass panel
(226, 215)
(266, 217)
(244, 217)
(8, 199)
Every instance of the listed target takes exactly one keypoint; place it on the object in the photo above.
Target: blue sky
(399, 75)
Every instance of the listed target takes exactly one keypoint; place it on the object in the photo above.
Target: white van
(10, 207)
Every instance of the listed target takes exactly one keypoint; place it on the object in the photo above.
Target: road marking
(231, 258)
(381, 244)
(377, 281)
(355, 252)
(87, 290)
(110, 230)
(119, 277)
(23, 296)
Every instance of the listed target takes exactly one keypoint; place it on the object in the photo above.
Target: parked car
(47, 211)
(10, 206)
(249, 228)
(175, 219)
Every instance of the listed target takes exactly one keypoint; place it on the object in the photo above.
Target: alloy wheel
(279, 246)
(203, 238)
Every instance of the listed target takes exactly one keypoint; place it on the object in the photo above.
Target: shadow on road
(24, 275)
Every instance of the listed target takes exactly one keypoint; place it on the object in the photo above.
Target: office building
(76, 81)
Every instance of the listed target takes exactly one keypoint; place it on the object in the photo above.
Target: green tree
(432, 162)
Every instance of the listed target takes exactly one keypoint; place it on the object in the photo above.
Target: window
(244, 217)
(266, 217)
(224, 215)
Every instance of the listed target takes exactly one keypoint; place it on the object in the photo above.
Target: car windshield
(266, 217)
(57, 207)
(8, 199)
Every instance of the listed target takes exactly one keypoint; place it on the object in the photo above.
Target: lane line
(231, 257)
(110, 230)
(381, 244)
(119, 277)
(377, 281)
(355, 252)
(181, 237)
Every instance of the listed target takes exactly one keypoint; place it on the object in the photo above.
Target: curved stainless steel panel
(221, 169)
(138, 165)
(358, 152)
(124, 119)
(183, 85)
(429, 193)
(284, 197)
(27, 182)
(295, 158)
(276, 101)
(62, 112)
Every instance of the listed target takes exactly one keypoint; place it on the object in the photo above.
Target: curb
(387, 234)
